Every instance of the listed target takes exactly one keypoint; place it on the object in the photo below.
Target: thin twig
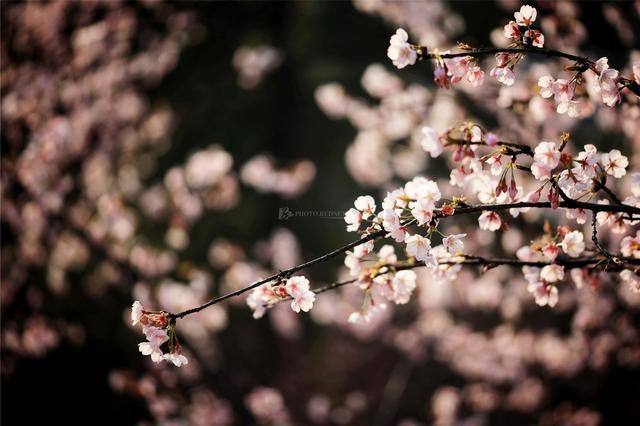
(594, 237)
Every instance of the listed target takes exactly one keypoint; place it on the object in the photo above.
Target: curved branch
(572, 204)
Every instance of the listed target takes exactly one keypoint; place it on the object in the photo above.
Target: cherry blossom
(431, 142)
(552, 273)
(526, 16)
(608, 79)
(154, 352)
(545, 294)
(536, 37)
(418, 247)
(399, 51)
(176, 359)
(136, 312)
(573, 243)
(475, 76)
(453, 243)
(391, 224)
(303, 298)
(630, 246)
(490, 221)
(614, 163)
(512, 30)
(404, 282)
(632, 279)
(364, 207)
(440, 77)
(504, 75)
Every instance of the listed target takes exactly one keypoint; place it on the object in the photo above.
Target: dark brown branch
(572, 204)
(286, 273)
(515, 148)
(568, 263)
(594, 237)
(422, 50)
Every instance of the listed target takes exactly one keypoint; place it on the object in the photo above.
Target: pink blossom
(391, 224)
(353, 218)
(303, 301)
(546, 84)
(475, 76)
(512, 30)
(544, 293)
(155, 336)
(431, 142)
(546, 154)
(399, 51)
(504, 75)
(573, 243)
(502, 59)
(562, 90)
(526, 16)
(453, 243)
(366, 205)
(422, 212)
(148, 349)
(403, 283)
(491, 139)
(176, 358)
(614, 163)
(571, 108)
(632, 279)
(551, 251)
(458, 67)
(630, 246)
(440, 77)
(490, 221)
(552, 273)
(536, 37)
(136, 312)
(418, 247)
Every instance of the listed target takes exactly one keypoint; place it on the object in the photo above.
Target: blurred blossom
(261, 173)
(253, 63)
(267, 406)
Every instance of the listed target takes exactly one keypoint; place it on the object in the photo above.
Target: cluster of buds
(158, 329)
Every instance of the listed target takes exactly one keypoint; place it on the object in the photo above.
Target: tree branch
(572, 204)
(489, 263)
(422, 50)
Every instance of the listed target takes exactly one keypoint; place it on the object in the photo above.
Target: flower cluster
(563, 91)
(295, 289)
(412, 206)
(454, 70)
(520, 32)
(158, 329)
(380, 283)
(542, 281)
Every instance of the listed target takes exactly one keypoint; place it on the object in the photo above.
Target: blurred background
(147, 150)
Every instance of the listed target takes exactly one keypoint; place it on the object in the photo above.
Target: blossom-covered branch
(489, 176)
(451, 68)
